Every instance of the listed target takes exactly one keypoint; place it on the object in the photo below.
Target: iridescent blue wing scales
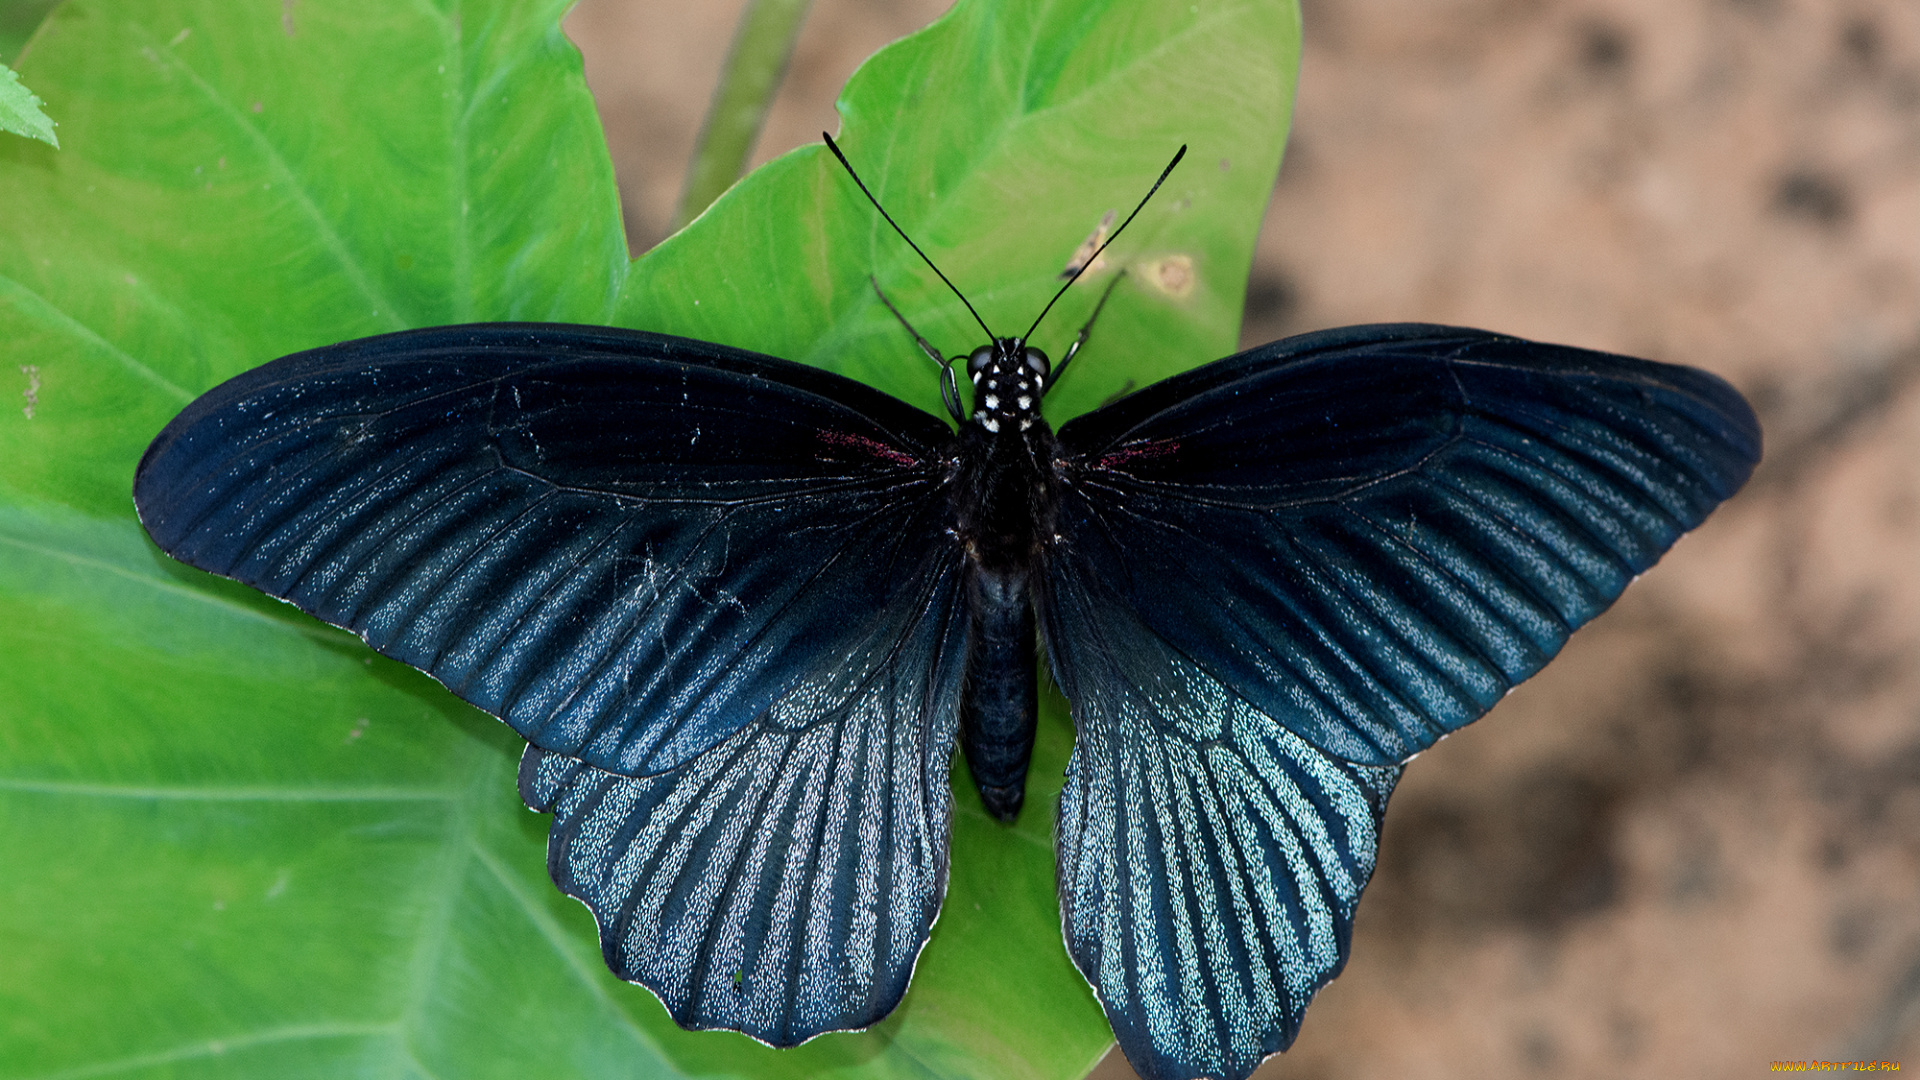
(1278, 577)
(1378, 531)
(625, 545)
(782, 883)
(1210, 858)
(717, 592)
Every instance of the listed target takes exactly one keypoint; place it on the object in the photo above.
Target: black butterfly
(740, 608)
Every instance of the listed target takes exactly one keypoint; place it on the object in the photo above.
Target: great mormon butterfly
(741, 608)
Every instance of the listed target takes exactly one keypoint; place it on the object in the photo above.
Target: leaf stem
(758, 58)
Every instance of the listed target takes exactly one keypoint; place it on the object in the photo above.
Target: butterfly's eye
(1037, 361)
(978, 363)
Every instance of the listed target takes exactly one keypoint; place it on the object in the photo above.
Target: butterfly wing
(1210, 858)
(783, 882)
(1378, 531)
(1278, 577)
(715, 590)
(625, 545)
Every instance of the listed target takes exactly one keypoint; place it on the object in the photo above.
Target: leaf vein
(212, 1048)
(32, 304)
(302, 195)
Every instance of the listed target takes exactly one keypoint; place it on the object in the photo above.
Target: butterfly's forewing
(626, 545)
(1374, 533)
(1278, 577)
(783, 882)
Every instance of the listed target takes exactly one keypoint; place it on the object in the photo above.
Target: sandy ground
(1692, 846)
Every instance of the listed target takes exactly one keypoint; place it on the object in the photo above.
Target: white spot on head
(1025, 402)
(991, 402)
(976, 377)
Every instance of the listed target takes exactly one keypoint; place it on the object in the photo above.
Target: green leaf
(237, 842)
(20, 111)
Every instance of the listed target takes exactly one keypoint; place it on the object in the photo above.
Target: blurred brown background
(1692, 846)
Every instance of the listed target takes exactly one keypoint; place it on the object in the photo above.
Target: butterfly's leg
(949, 386)
(1061, 368)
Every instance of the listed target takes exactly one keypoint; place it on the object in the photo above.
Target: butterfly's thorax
(1004, 495)
(1004, 492)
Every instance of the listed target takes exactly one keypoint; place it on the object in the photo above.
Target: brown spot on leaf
(1171, 274)
(1089, 248)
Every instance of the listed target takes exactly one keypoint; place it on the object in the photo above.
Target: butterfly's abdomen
(1004, 502)
(998, 707)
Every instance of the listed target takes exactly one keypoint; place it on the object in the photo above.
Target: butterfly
(743, 609)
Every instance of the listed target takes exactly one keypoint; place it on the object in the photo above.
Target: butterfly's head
(1009, 378)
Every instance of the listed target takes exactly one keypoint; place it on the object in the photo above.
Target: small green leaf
(20, 110)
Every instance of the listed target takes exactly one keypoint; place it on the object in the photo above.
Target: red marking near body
(875, 448)
(1140, 451)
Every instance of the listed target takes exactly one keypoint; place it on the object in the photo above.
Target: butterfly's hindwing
(625, 545)
(1210, 858)
(783, 882)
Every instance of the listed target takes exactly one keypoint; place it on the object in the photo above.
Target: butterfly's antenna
(1164, 173)
(903, 233)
